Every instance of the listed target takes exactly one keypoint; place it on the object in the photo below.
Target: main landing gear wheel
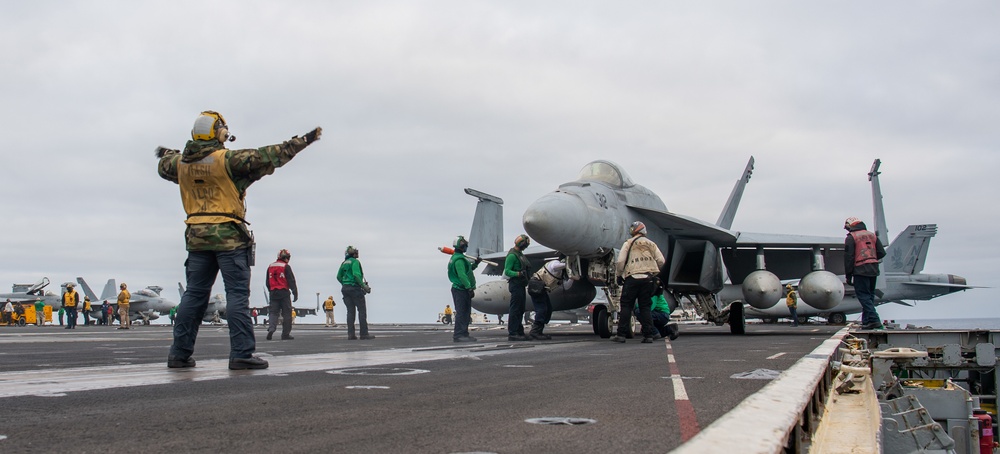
(837, 318)
(737, 321)
(603, 326)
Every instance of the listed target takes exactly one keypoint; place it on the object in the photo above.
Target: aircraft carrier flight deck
(411, 389)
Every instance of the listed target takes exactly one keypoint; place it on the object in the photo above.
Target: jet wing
(941, 284)
(784, 240)
(687, 227)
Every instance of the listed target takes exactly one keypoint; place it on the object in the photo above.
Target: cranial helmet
(522, 241)
(122, 286)
(851, 222)
(637, 228)
(210, 126)
(350, 251)
(284, 255)
(461, 244)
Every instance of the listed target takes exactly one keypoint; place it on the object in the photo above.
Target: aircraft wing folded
(687, 227)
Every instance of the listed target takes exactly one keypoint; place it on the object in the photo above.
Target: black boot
(536, 332)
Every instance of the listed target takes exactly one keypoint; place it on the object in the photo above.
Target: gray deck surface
(97, 389)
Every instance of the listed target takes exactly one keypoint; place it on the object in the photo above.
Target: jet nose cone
(557, 220)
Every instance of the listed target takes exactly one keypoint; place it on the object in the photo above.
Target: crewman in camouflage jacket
(213, 181)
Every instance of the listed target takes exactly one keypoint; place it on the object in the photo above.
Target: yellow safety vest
(208, 193)
(328, 304)
(123, 298)
(69, 299)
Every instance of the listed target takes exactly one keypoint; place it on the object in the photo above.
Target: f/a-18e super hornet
(587, 220)
(145, 304)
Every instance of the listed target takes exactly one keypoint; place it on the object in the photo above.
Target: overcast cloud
(419, 100)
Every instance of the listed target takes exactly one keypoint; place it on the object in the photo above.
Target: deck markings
(685, 410)
(776, 355)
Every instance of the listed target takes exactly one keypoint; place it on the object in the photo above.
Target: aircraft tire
(837, 318)
(603, 326)
(21, 322)
(737, 321)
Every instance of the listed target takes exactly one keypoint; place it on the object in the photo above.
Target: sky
(421, 99)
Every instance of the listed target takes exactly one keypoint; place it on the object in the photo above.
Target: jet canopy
(606, 172)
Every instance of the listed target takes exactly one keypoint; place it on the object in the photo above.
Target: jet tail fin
(86, 289)
(487, 226)
(879, 210)
(908, 252)
(729, 211)
(109, 292)
(180, 290)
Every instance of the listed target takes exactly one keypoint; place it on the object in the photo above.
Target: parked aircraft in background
(587, 220)
(29, 293)
(145, 304)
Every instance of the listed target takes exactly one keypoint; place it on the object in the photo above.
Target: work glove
(850, 279)
(478, 259)
(620, 280)
(472, 293)
(366, 288)
(161, 152)
(313, 135)
(295, 298)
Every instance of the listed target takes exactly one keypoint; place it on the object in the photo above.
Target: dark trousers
(463, 311)
(354, 299)
(86, 317)
(202, 267)
(515, 318)
(641, 290)
(794, 314)
(543, 309)
(71, 317)
(864, 289)
(280, 304)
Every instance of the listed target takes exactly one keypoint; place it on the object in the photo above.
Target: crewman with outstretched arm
(213, 182)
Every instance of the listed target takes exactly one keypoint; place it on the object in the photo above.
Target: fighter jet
(145, 304)
(587, 220)
(29, 293)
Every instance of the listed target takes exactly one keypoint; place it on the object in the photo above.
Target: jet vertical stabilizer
(729, 211)
(486, 236)
(86, 289)
(908, 252)
(880, 228)
(110, 292)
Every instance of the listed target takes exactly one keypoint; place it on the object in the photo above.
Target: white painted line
(679, 392)
(48, 382)
(776, 356)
